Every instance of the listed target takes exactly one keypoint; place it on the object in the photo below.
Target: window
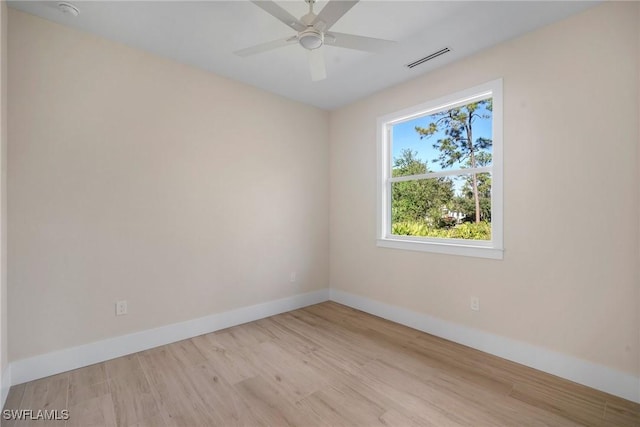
(440, 175)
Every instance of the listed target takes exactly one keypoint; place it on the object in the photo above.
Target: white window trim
(483, 249)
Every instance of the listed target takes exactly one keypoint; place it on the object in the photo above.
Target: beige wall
(569, 279)
(133, 177)
(3, 188)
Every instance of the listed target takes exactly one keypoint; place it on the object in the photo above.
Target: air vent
(428, 58)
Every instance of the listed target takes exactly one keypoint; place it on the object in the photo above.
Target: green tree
(458, 145)
(465, 203)
(417, 200)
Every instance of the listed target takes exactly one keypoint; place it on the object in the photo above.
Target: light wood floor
(324, 365)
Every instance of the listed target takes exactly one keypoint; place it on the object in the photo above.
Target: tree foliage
(458, 145)
(417, 200)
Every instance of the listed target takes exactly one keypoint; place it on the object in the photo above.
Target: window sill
(442, 248)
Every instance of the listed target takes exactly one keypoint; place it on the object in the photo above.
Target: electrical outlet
(475, 303)
(292, 277)
(121, 308)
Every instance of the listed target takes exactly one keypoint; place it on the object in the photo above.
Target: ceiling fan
(313, 33)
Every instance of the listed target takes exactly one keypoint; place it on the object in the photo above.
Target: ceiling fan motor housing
(311, 38)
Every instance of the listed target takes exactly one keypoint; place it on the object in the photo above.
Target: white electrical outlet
(121, 308)
(475, 303)
(292, 277)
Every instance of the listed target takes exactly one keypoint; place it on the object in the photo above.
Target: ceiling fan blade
(273, 9)
(332, 12)
(350, 41)
(263, 47)
(316, 64)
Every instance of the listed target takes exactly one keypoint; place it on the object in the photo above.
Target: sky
(405, 136)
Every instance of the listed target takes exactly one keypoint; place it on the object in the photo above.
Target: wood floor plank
(581, 409)
(325, 335)
(417, 396)
(323, 365)
(394, 418)
(176, 397)
(87, 383)
(360, 322)
(122, 366)
(177, 411)
(186, 353)
(231, 364)
(47, 394)
(92, 412)
(270, 408)
(14, 399)
(132, 397)
(290, 375)
(419, 410)
(88, 375)
(241, 336)
(153, 421)
(220, 396)
(355, 407)
(622, 413)
(299, 341)
(497, 402)
(79, 392)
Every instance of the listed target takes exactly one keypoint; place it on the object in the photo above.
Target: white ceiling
(205, 33)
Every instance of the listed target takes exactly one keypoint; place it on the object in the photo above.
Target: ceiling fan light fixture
(311, 39)
(68, 9)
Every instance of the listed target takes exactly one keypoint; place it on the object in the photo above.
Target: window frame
(493, 248)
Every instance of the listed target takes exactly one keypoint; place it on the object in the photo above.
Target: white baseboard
(5, 384)
(600, 377)
(590, 374)
(77, 357)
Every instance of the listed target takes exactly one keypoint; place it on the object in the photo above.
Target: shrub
(467, 230)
